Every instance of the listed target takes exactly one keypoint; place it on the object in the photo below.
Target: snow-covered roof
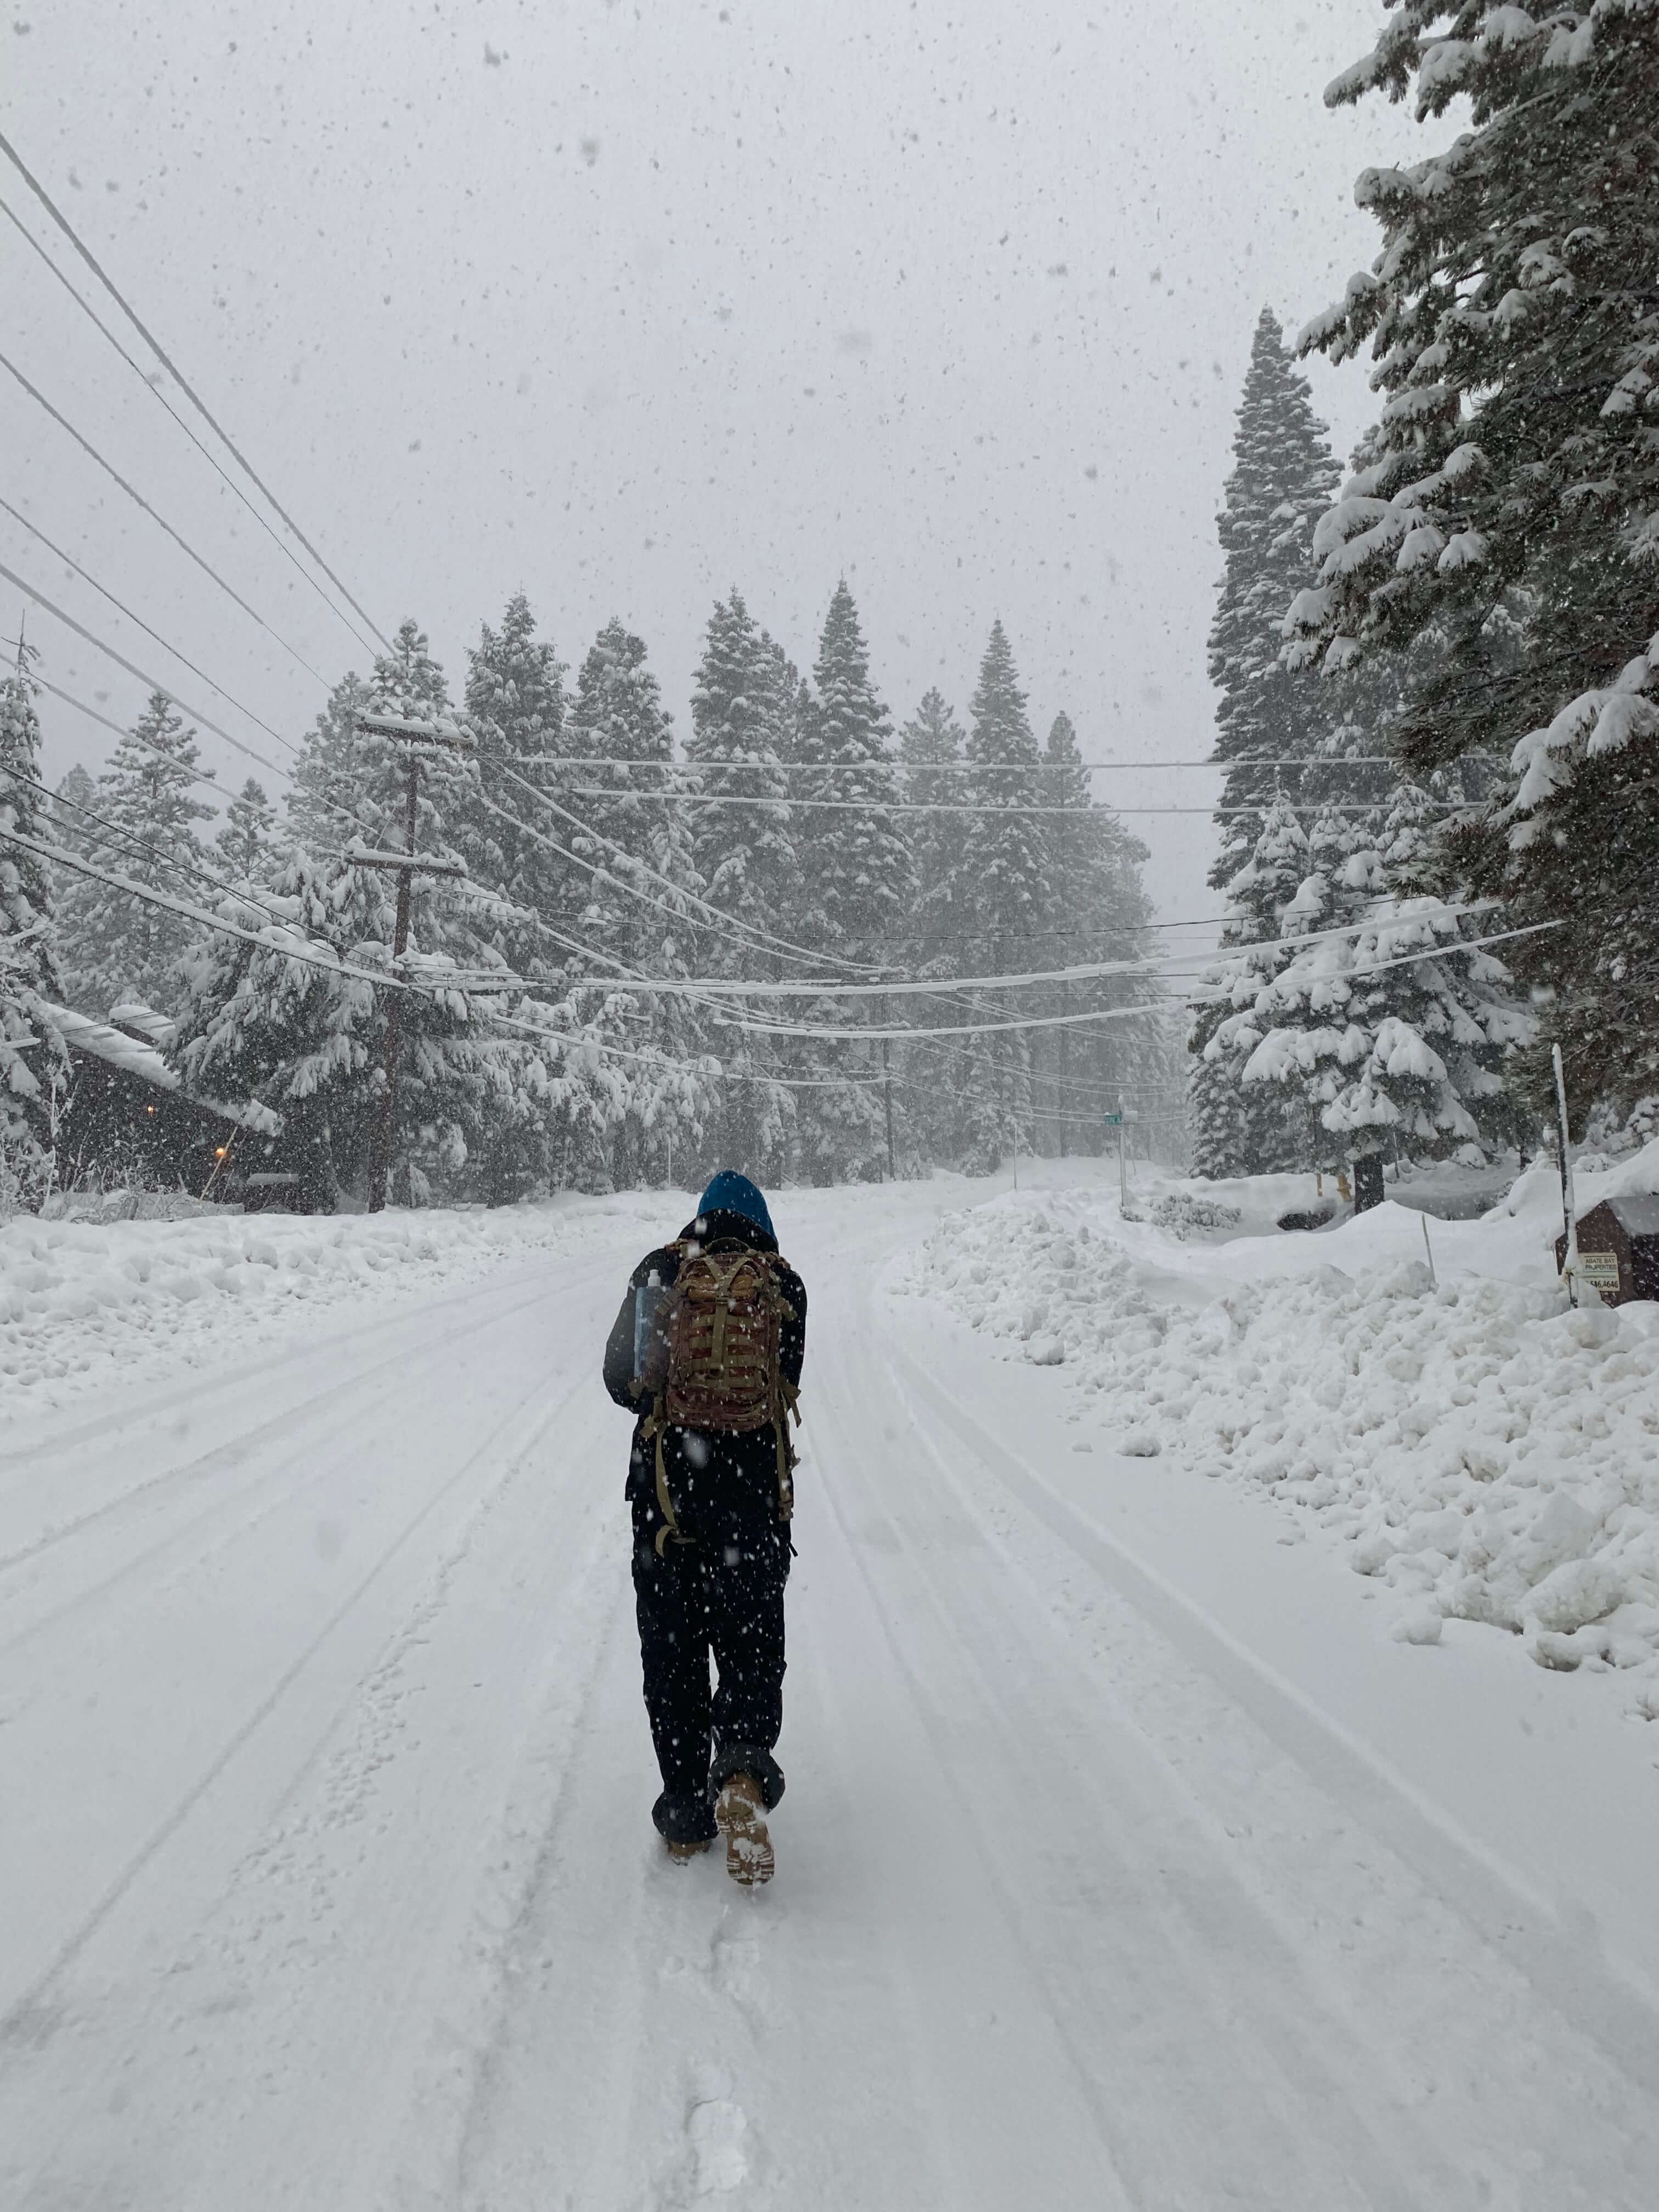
(116, 1048)
(112, 1045)
(1635, 1211)
(143, 1021)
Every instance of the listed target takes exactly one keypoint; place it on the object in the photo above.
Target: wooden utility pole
(415, 736)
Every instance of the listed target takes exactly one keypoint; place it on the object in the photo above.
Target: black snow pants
(721, 1594)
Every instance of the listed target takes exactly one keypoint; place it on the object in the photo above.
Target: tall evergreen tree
(74, 798)
(1282, 478)
(1002, 892)
(454, 1070)
(618, 717)
(1238, 1130)
(115, 945)
(858, 883)
(1098, 911)
(860, 875)
(33, 1063)
(325, 773)
(246, 845)
(1513, 479)
(516, 705)
(744, 853)
(1387, 1052)
(930, 748)
(1005, 859)
(253, 1022)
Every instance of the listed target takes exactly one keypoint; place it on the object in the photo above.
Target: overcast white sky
(624, 304)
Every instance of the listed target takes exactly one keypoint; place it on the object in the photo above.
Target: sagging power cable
(159, 520)
(177, 374)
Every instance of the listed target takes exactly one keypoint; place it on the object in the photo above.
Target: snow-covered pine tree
(115, 945)
(1282, 478)
(455, 1070)
(618, 717)
(325, 771)
(246, 845)
(1239, 1129)
(1002, 892)
(657, 1104)
(34, 1062)
(253, 1022)
(745, 855)
(75, 797)
(516, 705)
(931, 749)
(938, 933)
(859, 888)
(1307, 1038)
(1389, 1052)
(1098, 911)
(743, 852)
(1513, 316)
(860, 875)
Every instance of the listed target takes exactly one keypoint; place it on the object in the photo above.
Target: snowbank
(1486, 1451)
(77, 1299)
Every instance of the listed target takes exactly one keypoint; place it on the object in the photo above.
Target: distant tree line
(592, 858)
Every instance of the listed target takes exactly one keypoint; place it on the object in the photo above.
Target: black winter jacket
(716, 1474)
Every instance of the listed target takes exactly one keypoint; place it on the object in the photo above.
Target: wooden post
(1568, 1203)
(887, 1099)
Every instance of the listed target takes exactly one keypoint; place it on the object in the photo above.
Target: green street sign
(1113, 1121)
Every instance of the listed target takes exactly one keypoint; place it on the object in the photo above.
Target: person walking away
(706, 1352)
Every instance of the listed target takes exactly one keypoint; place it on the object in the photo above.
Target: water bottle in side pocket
(650, 1338)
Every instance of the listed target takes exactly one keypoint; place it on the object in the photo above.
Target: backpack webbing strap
(654, 1427)
(788, 1407)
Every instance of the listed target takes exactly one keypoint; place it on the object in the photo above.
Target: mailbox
(1619, 1248)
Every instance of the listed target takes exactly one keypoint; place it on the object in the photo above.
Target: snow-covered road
(328, 1880)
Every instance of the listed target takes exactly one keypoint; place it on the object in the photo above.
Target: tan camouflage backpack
(723, 1326)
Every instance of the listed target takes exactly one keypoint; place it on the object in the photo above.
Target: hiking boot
(682, 1854)
(740, 1816)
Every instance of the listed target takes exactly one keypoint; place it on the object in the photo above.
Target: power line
(311, 957)
(1095, 971)
(1167, 1006)
(154, 683)
(959, 806)
(104, 592)
(728, 923)
(897, 762)
(210, 457)
(162, 522)
(242, 462)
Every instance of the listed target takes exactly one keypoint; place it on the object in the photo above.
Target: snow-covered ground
(80, 1299)
(1127, 1860)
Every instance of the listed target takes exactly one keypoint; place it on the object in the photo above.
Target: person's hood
(732, 1193)
(722, 1223)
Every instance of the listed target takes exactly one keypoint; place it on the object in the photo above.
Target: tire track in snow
(145, 1495)
(13, 2022)
(340, 1990)
(1512, 1926)
(50, 1441)
(1226, 2029)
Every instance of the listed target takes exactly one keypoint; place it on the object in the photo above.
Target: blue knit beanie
(732, 1193)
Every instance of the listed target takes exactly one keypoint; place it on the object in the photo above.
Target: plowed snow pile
(1489, 1453)
(78, 1298)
